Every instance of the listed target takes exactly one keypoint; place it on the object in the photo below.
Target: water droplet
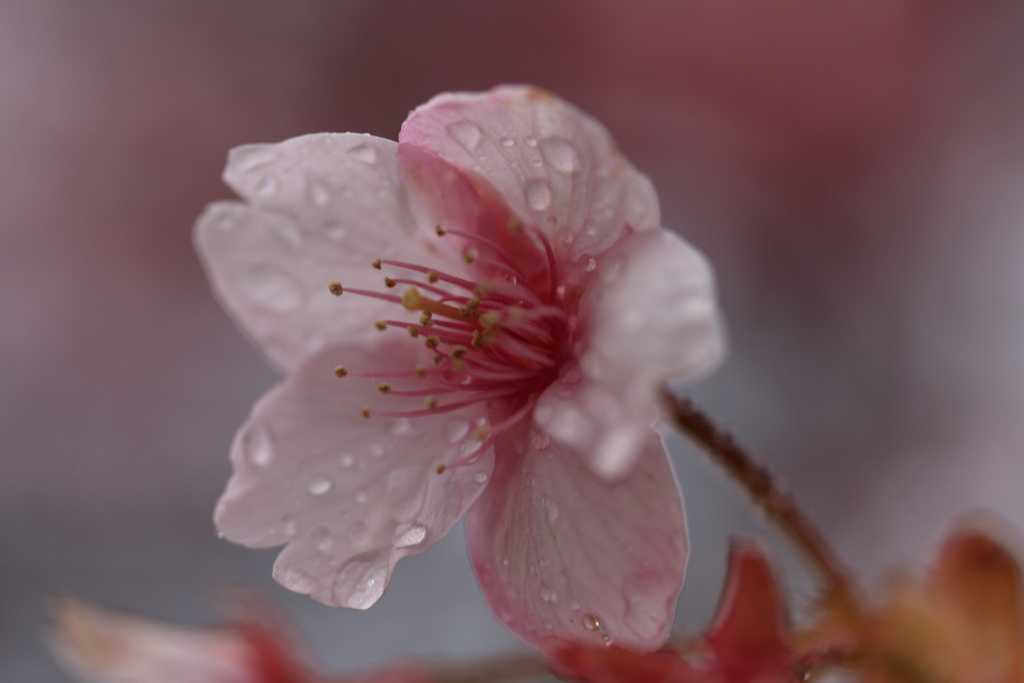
(359, 583)
(256, 445)
(289, 527)
(378, 450)
(540, 439)
(356, 529)
(531, 141)
(466, 133)
(588, 263)
(347, 460)
(361, 496)
(321, 538)
(320, 486)
(480, 477)
(455, 430)
(548, 595)
(318, 194)
(267, 187)
(507, 142)
(538, 194)
(591, 623)
(270, 288)
(552, 510)
(401, 426)
(560, 154)
(364, 153)
(411, 536)
(574, 604)
(335, 231)
(220, 536)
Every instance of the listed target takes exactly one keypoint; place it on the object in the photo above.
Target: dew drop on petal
(560, 155)
(220, 536)
(455, 430)
(591, 623)
(320, 486)
(531, 141)
(547, 594)
(270, 288)
(588, 263)
(321, 538)
(538, 194)
(356, 529)
(480, 477)
(267, 187)
(364, 153)
(378, 450)
(466, 133)
(574, 605)
(335, 231)
(361, 497)
(400, 426)
(289, 527)
(347, 460)
(411, 536)
(318, 194)
(507, 142)
(540, 440)
(360, 584)
(552, 510)
(256, 445)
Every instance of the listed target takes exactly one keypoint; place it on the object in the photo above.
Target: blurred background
(853, 170)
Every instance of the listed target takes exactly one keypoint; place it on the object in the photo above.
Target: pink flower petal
(320, 208)
(563, 554)
(647, 315)
(349, 495)
(554, 166)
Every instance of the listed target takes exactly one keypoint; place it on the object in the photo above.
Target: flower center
(494, 340)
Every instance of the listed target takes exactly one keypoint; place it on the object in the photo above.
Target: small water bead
(336, 231)
(347, 460)
(320, 486)
(548, 595)
(573, 604)
(356, 529)
(256, 445)
(321, 538)
(220, 536)
(364, 153)
(480, 477)
(588, 263)
(538, 194)
(400, 426)
(531, 141)
(591, 623)
(270, 288)
(361, 496)
(411, 536)
(540, 440)
(455, 430)
(552, 510)
(560, 155)
(466, 133)
(378, 450)
(267, 187)
(289, 527)
(507, 142)
(318, 194)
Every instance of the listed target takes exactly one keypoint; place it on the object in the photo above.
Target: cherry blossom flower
(473, 321)
(102, 645)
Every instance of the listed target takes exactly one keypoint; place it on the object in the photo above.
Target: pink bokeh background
(853, 170)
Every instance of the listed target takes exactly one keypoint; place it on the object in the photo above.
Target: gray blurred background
(854, 171)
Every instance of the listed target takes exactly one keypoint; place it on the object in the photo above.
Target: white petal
(320, 208)
(349, 495)
(553, 165)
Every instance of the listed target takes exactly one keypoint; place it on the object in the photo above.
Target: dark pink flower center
(495, 339)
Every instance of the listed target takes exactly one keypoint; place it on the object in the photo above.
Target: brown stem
(763, 489)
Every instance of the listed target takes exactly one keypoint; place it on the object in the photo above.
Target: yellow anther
(478, 340)
(465, 312)
(440, 469)
(376, 263)
(413, 331)
(412, 299)
(515, 225)
(432, 342)
(430, 402)
(389, 283)
(438, 359)
(469, 255)
(490, 320)
(340, 371)
(419, 371)
(439, 230)
(384, 388)
(381, 325)
(336, 288)
(365, 411)
(426, 319)
(432, 276)
(473, 304)
(458, 352)
(485, 288)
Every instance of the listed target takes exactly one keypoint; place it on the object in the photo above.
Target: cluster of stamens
(495, 340)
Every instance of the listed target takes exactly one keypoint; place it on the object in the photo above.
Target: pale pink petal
(349, 495)
(648, 315)
(561, 553)
(555, 167)
(103, 646)
(320, 208)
